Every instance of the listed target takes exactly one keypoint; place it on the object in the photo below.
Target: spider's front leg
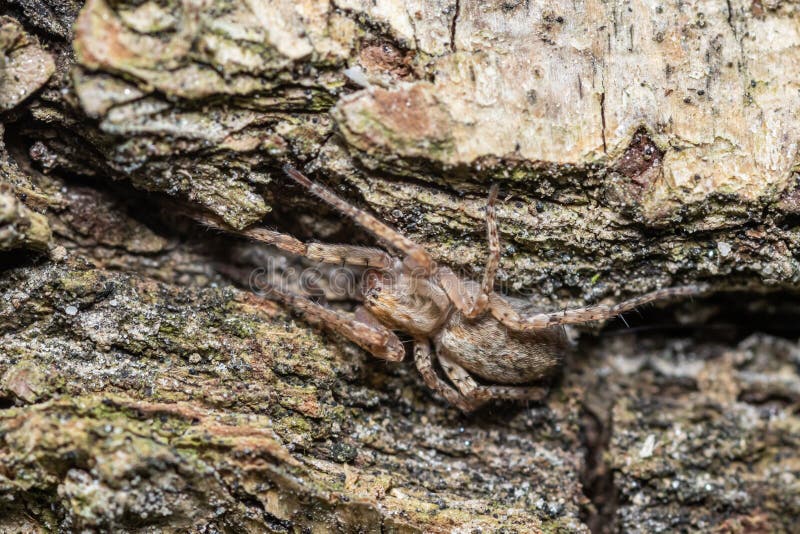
(360, 328)
(462, 294)
(416, 256)
(504, 313)
(331, 254)
(476, 394)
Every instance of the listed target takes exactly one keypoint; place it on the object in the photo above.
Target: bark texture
(636, 144)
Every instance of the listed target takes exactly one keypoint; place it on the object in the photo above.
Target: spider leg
(418, 255)
(321, 252)
(493, 262)
(477, 394)
(348, 255)
(464, 300)
(361, 328)
(456, 289)
(424, 362)
(504, 313)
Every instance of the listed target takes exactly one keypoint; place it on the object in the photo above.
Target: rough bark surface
(636, 144)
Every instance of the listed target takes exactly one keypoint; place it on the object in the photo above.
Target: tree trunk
(636, 146)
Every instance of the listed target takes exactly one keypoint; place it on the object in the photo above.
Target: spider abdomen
(489, 350)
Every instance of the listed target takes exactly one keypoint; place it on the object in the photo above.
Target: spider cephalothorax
(413, 304)
(488, 346)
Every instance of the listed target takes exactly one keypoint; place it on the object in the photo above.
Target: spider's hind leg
(477, 394)
(509, 317)
(423, 359)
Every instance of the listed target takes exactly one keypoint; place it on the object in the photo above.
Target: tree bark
(636, 146)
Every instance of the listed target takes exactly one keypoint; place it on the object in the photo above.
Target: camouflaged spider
(476, 332)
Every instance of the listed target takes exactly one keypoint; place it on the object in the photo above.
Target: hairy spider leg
(456, 289)
(321, 252)
(417, 254)
(424, 362)
(473, 305)
(504, 313)
(284, 242)
(372, 337)
(493, 262)
(477, 394)
(360, 327)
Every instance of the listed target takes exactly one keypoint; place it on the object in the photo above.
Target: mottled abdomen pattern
(486, 348)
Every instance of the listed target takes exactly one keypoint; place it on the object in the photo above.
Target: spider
(486, 344)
